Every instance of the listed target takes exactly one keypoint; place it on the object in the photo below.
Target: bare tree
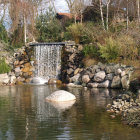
(23, 12)
(76, 8)
(107, 12)
(127, 16)
(101, 12)
(138, 11)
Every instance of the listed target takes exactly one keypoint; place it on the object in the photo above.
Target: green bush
(110, 50)
(17, 38)
(75, 32)
(128, 47)
(3, 34)
(48, 28)
(4, 67)
(91, 50)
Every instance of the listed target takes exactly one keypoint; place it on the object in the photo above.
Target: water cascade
(48, 60)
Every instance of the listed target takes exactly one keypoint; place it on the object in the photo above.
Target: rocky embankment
(22, 67)
(95, 76)
(127, 105)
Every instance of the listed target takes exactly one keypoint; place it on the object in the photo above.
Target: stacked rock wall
(71, 61)
(95, 76)
(23, 65)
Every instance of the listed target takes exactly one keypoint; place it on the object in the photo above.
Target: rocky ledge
(101, 76)
(128, 106)
(95, 76)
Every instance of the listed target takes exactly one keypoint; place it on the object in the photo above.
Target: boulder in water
(61, 96)
(54, 81)
(38, 80)
(62, 106)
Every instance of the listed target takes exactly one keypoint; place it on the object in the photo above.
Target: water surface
(25, 115)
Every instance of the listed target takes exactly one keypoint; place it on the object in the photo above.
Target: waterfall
(48, 60)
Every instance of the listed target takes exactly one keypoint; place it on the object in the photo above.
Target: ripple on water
(24, 114)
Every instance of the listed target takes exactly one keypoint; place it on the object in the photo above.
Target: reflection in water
(62, 106)
(25, 115)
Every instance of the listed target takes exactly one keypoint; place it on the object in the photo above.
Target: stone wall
(71, 61)
(72, 70)
(22, 67)
(95, 76)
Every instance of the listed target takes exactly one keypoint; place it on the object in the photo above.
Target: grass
(4, 67)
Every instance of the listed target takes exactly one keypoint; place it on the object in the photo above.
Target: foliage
(17, 38)
(4, 67)
(75, 32)
(3, 34)
(91, 50)
(48, 28)
(128, 47)
(110, 50)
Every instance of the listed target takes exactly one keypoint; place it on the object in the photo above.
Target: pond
(25, 115)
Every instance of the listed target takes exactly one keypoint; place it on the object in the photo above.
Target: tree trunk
(127, 20)
(81, 18)
(101, 12)
(25, 31)
(108, 2)
(75, 18)
(138, 1)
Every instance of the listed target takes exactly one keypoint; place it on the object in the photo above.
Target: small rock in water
(61, 96)
(39, 80)
(54, 81)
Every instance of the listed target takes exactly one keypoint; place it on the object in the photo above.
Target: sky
(61, 6)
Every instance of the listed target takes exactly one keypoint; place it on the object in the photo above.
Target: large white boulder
(39, 80)
(99, 77)
(61, 96)
(4, 78)
(62, 106)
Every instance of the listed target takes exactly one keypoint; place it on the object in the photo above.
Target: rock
(17, 70)
(109, 76)
(112, 116)
(116, 82)
(61, 96)
(123, 73)
(19, 83)
(69, 71)
(17, 74)
(28, 80)
(73, 85)
(75, 79)
(80, 47)
(101, 66)
(27, 64)
(21, 62)
(32, 63)
(76, 71)
(13, 79)
(93, 85)
(38, 80)
(118, 71)
(16, 62)
(99, 77)
(54, 81)
(125, 82)
(71, 58)
(32, 69)
(109, 69)
(26, 69)
(85, 78)
(105, 84)
(4, 78)
(62, 106)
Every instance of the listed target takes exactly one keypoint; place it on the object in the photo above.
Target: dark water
(25, 115)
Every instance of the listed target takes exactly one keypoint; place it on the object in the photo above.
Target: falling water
(48, 59)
